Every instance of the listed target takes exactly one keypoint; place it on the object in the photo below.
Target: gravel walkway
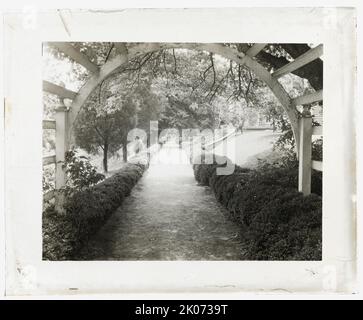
(167, 217)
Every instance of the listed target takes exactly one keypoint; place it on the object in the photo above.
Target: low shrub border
(277, 222)
(86, 212)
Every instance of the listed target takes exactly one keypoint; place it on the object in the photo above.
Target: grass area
(242, 147)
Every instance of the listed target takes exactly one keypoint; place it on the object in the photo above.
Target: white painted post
(61, 144)
(306, 129)
(61, 147)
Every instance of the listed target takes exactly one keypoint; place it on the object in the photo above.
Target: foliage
(58, 68)
(97, 52)
(317, 150)
(48, 178)
(193, 78)
(110, 113)
(265, 201)
(288, 228)
(197, 89)
(86, 211)
(286, 146)
(80, 173)
(102, 131)
(58, 235)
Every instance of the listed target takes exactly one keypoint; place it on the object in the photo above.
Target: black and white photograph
(182, 151)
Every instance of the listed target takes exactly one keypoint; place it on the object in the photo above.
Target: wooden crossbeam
(58, 90)
(49, 195)
(300, 61)
(308, 99)
(255, 49)
(49, 124)
(318, 131)
(317, 165)
(75, 55)
(49, 160)
(252, 52)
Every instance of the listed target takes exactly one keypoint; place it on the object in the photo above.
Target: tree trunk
(124, 152)
(273, 125)
(105, 154)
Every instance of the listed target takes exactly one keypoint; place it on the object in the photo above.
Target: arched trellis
(300, 123)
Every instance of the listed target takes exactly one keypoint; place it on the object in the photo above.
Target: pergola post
(305, 129)
(62, 145)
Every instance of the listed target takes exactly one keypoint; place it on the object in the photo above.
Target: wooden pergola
(301, 122)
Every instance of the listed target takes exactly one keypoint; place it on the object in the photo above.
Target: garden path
(167, 217)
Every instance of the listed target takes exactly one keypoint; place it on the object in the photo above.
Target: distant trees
(100, 130)
(202, 90)
(108, 116)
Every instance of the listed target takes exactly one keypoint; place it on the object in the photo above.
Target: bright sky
(61, 71)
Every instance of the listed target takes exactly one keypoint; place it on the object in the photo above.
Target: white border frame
(27, 274)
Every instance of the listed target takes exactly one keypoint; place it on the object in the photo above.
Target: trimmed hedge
(86, 211)
(277, 222)
(289, 228)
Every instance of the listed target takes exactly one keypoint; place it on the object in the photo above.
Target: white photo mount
(27, 274)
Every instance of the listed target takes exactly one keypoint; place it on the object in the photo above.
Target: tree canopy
(180, 88)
